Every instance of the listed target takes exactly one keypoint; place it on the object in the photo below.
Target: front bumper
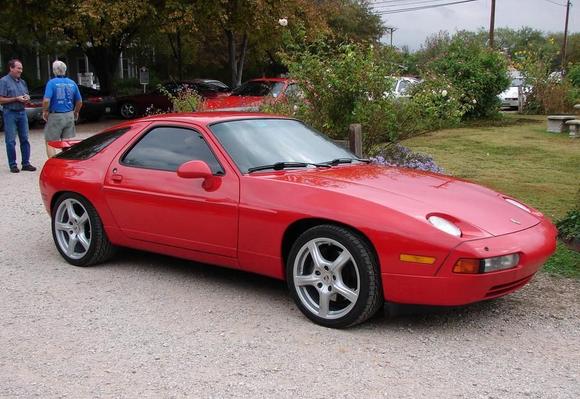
(535, 245)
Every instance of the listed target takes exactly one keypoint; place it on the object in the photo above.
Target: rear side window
(92, 145)
(166, 148)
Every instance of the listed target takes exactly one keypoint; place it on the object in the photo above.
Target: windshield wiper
(338, 161)
(284, 165)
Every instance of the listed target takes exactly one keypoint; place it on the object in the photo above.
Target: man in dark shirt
(13, 96)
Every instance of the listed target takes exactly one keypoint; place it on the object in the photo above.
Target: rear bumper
(535, 245)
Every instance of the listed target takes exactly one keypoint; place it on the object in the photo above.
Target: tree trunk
(105, 61)
(240, 67)
(232, 57)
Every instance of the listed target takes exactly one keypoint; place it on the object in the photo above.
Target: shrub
(336, 81)
(569, 225)
(353, 84)
(185, 100)
(475, 70)
(574, 75)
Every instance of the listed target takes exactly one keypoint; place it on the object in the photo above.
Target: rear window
(92, 145)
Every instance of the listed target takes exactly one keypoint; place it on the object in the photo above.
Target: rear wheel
(128, 110)
(78, 231)
(333, 276)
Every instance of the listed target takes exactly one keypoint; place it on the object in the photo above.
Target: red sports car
(252, 94)
(270, 195)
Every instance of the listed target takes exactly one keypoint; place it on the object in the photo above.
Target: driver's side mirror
(194, 170)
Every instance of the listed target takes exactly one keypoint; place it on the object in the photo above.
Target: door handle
(117, 178)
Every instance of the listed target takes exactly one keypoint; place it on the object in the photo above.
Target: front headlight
(444, 225)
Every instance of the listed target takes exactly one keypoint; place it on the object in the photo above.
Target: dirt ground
(150, 326)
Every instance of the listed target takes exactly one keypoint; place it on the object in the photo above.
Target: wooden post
(355, 139)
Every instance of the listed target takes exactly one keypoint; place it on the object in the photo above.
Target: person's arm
(78, 106)
(46, 101)
(78, 102)
(45, 108)
(4, 99)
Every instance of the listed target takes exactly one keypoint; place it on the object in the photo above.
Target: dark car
(136, 105)
(95, 102)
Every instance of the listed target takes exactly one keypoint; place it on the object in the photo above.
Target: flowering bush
(185, 100)
(477, 71)
(399, 155)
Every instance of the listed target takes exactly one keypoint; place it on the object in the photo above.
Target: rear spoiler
(63, 145)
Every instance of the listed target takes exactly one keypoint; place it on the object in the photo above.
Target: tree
(101, 31)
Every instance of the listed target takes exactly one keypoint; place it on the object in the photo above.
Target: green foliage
(354, 84)
(186, 100)
(336, 82)
(569, 225)
(549, 93)
(478, 72)
(574, 75)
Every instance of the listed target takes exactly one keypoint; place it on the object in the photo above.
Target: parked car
(510, 98)
(403, 86)
(270, 195)
(130, 107)
(95, 103)
(252, 94)
(33, 110)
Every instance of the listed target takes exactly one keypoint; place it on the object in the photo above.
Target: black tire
(349, 280)
(128, 110)
(78, 232)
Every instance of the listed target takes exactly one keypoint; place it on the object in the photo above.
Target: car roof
(207, 118)
(270, 80)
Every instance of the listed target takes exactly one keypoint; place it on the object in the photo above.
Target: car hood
(511, 92)
(419, 194)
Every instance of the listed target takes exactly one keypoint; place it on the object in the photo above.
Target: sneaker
(14, 169)
(29, 168)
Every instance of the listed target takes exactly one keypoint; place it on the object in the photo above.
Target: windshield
(259, 89)
(517, 82)
(257, 142)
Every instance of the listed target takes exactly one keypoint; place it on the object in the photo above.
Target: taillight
(95, 99)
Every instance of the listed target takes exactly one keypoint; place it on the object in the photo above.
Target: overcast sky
(413, 27)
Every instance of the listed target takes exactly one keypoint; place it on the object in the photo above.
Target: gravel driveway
(149, 326)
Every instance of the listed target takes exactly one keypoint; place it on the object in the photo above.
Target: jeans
(16, 121)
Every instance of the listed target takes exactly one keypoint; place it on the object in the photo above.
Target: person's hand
(26, 97)
(76, 116)
(45, 116)
(22, 99)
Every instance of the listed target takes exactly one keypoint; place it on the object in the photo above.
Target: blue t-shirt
(63, 93)
(10, 87)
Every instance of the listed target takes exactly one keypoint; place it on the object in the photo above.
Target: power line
(413, 2)
(558, 4)
(392, 1)
(400, 10)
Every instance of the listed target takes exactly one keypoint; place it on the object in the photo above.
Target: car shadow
(274, 293)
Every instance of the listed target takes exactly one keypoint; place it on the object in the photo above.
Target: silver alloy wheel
(326, 278)
(128, 110)
(72, 227)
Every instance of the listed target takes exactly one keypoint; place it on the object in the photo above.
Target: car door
(150, 202)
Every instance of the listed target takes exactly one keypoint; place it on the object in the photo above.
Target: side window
(166, 148)
(92, 146)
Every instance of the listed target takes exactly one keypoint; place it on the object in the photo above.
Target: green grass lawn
(519, 159)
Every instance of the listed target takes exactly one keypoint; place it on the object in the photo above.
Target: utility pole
(492, 24)
(391, 29)
(565, 44)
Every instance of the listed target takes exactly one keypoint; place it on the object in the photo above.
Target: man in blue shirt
(60, 107)
(13, 96)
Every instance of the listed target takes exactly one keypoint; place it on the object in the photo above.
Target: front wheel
(78, 231)
(333, 276)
